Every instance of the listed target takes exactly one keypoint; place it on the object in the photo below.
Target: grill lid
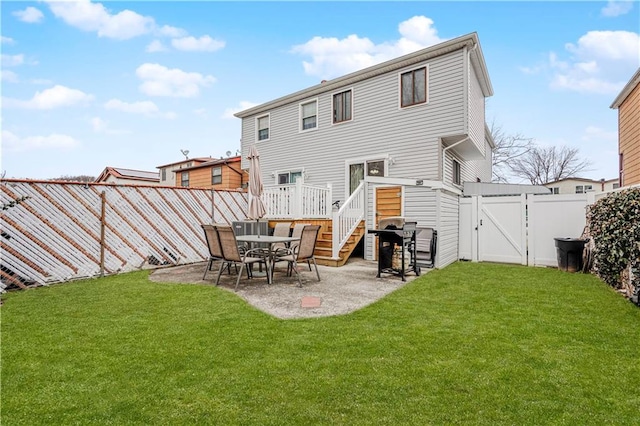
(397, 222)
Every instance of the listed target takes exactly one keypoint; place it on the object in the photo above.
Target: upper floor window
(184, 179)
(309, 115)
(413, 87)
(163, 175)
(342, 106)
(616, 185)
(263, 127)
(216, 175)
(555, 190)
(456, 173)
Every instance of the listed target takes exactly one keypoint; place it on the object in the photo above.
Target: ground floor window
(289, 177)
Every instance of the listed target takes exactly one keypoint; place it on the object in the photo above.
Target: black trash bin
(569, 251)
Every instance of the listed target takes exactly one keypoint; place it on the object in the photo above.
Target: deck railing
(297, 201)
(347, 219)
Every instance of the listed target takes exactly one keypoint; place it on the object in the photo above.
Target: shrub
(614, 226)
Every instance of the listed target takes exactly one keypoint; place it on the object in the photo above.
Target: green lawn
(470, 344)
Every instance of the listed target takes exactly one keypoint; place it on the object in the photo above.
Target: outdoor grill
(396, 246)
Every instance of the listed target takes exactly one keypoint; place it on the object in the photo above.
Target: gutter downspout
(238, 172)
(444, 151)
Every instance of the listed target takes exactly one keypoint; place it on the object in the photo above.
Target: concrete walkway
(340, 291)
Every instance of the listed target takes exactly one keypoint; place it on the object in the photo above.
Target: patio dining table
(266, 241)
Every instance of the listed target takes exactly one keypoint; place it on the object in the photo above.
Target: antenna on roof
(228, 153)
(185, 152)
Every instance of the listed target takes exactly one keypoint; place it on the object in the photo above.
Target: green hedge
(614, 225)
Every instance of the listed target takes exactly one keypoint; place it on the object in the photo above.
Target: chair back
(297, 232)
(228, 243)
(281, 229)
(213, 243)
(307, 243)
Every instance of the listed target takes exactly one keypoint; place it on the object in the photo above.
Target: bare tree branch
(548, 164)
(508, 148)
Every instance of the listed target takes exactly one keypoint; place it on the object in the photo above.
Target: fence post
(103, 202)
(328, 204)
(297, 203)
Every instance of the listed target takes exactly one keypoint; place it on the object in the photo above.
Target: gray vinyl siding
(447, 251)
(476, 111)
(379, 128)
(482, 168)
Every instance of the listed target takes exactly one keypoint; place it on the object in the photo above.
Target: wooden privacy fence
(63, 231)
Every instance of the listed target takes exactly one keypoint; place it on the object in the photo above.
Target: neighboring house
(167, 171)
(127, 176)
(413, 128)
(224, 173)
(574, 185)
(628, 105)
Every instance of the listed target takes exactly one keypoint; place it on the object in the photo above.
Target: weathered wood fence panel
(65, 231)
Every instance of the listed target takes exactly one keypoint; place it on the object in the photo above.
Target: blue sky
(87, 85)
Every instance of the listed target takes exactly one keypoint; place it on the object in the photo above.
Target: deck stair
(323, 246)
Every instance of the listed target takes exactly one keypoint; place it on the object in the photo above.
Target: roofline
(203, 159)
(626, 90)
(469, 40)
(581, 180)
(220, 161)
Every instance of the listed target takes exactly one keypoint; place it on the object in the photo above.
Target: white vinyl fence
(519, 229)
(65, 231)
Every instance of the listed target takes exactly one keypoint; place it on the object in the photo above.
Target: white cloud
(102, 126)
(202, 44)
(169, 31)
(200, 112)
(155, 46)
(41, 81)
(55, 97)
(30, 15)
(331, 57)
(147, 108)
(159, 80)
(12, 60)
(12, 142)
(87, 16)
(7, 40)
(228, 113)
(593, 133)
(144, 107)
(9, 76)
(600, 62)
(617, 7)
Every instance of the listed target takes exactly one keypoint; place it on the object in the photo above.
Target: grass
(470, 344)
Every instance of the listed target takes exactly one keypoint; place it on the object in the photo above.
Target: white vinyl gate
(521, 228)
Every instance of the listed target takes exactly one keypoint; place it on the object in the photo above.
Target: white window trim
(399, 92)
(382, 157)
(308, 101)
(293, 170)
(268, 115)
(352, 103)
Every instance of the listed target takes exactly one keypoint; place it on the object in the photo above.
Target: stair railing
(346, 219)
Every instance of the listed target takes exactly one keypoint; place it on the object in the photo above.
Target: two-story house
(628, 105)
(223, 173)
(168, 171)
(411, 129)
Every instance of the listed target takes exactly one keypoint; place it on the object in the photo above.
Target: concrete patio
(341, 290)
